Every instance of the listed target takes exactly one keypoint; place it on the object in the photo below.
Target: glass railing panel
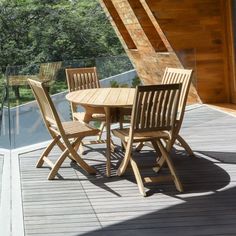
(21, 122)
(26, 126)
(25, 122)
(4, 112)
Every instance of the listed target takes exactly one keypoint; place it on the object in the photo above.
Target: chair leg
(171, 167)
(139, 147)
(101, 128)
(77, 157)
(184, 144)
(47, 151)
(113, 146)
(125, 161)
(77, 145)
(57, 165)
(161, 161)
(138, 177)
(70, 150)
(156, 148)
(123, 146)
(159, 164)
(62, 147)
(81, 148)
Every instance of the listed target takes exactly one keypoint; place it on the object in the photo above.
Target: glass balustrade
(21, 122)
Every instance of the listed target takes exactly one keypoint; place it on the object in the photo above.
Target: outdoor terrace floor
(78, 204)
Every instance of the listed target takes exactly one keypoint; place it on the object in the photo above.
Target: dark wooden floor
(78, 204)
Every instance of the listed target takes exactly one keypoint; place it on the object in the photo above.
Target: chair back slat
(144, 101)
(48, 71)
(184, 76)
(150, 110)
(82, 78)
(47, 108)
(155, 107)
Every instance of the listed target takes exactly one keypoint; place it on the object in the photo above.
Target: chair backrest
(48, 71)
(155, 108)
(47, 108)
(183, 76)
(82, 78)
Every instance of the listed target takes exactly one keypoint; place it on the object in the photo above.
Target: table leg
(108, 140)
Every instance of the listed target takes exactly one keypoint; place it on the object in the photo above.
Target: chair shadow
(212, 214)
(207, 206)
(224, 157)
(195, 173)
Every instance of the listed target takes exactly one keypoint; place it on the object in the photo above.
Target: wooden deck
(78, 204)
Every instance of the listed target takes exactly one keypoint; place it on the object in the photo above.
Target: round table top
(103, 97)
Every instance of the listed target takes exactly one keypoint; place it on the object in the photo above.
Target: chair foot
(159, 164)
(138, 177)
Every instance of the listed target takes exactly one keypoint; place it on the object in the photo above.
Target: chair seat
(123, 134)
(73, 128)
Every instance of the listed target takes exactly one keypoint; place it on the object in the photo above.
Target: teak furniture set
(157, 113)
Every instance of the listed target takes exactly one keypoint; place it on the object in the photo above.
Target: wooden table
(107, 98)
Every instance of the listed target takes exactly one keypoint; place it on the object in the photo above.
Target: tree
(35, 31)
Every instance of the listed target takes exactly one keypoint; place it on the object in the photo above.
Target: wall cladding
(183, 33)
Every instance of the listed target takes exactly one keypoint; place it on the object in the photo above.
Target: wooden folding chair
(153, 119)
(47, 73)
(67, 135)
(86, 78)
(183, 76)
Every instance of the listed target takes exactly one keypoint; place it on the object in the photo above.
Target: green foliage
(115, 84)
(136, 81)
(26, 95)
(35, 31)
(113, 65)
(58, 86)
